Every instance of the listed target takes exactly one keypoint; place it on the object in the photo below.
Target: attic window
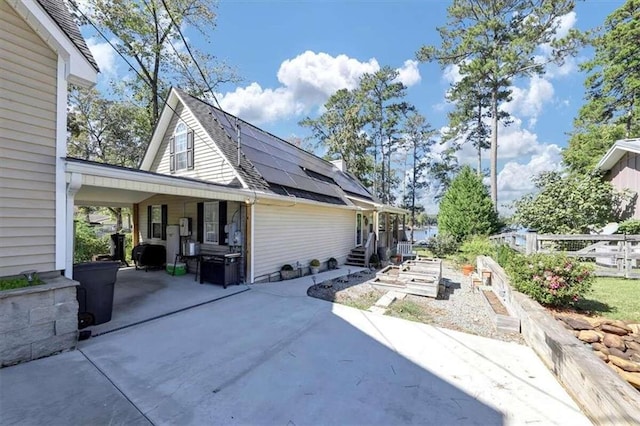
(181, 150)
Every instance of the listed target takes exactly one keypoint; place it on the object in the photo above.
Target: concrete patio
(143, 295)
(272, 355)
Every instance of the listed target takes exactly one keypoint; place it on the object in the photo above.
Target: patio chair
(405, 249)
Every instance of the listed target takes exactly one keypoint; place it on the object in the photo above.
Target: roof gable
(264, 162)
(61, 15)
(616, 152)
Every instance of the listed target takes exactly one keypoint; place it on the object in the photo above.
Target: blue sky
(291, 55)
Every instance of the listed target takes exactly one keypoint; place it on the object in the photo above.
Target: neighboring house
(621, 166)
(41, 53)
(243, 189)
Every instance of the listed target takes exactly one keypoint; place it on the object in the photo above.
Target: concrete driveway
(272, 355)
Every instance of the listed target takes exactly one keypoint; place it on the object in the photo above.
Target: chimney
(340, 164)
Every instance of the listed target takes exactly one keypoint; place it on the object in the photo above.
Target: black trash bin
(95, 293)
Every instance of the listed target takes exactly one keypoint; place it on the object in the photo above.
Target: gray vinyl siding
(625, 175)
(28, 70)
(300, 233)
(208, 164)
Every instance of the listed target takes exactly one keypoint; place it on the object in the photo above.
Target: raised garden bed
(500, 315)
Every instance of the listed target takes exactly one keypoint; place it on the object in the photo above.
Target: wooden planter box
(500, 315)
(38, 321)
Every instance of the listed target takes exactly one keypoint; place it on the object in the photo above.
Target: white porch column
(74, 184)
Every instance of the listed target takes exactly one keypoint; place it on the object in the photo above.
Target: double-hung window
(156, 222)
(181, 146)
(211, 222)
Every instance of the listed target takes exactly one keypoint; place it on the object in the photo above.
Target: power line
(86, 18)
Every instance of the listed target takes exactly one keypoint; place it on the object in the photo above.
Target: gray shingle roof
(58, 11)
(271, 164)
(227, 145)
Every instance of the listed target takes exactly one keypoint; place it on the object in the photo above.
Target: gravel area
(458, 308)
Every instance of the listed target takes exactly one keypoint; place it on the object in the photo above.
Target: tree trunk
(494, 148)
(479, 136)
(413, 191)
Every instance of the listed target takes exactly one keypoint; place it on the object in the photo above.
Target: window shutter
(222, 221)
(165, 214)
(190, 149)
(200, 218)
(149, 230)
(172, 155)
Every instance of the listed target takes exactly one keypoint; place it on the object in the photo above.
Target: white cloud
(528, 102)
(516, 179)
(104, 55)
(306, 81)
(452, 74)
(408, 74)
(255, 104)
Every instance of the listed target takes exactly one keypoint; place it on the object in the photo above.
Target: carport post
(74, 184)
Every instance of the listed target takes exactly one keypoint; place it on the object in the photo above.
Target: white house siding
(27, 147)
(177, 207)
(208, 164)
(299, 233)
(625, 175)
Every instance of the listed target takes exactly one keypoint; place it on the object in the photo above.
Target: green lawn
(615, 298)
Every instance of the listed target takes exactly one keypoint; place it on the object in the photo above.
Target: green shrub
(550, 279)
(629, 226)
(478, 246)
(374, 260)
(442, 245)
(504, 255)
(315, 263)
(286, 267)
(466, 208)
(18, 282)
(87, 244)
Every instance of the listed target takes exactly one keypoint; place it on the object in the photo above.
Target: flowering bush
(551, 279)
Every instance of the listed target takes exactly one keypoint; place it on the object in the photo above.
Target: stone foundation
(38, 321)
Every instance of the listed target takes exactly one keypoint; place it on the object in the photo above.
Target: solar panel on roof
(279, 162)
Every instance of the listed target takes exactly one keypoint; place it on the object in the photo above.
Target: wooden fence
(613, 255)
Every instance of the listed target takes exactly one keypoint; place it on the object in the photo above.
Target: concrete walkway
(272, 355)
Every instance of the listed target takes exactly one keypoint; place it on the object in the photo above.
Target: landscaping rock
(634, 346)
(619, 353)
(600, 347)
(626, 365)
(632, 378)
(635, 357)
(635, 328)
(601, 355)
(613, 341)
(588, 336)
(614, 329)
(577, 323)
(622, 325)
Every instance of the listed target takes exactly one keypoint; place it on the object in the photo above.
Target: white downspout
(61, 153)
(252, 242)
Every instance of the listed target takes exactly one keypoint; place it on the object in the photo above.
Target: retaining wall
(602, 394)
(38, 321)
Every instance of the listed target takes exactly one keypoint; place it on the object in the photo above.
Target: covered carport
(140, 295)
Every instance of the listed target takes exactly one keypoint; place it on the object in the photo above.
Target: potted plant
(287, 272)
(315, 266)
(332, 263)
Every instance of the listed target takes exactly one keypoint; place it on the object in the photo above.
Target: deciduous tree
(570, 204)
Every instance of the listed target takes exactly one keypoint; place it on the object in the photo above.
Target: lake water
(423, 234)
